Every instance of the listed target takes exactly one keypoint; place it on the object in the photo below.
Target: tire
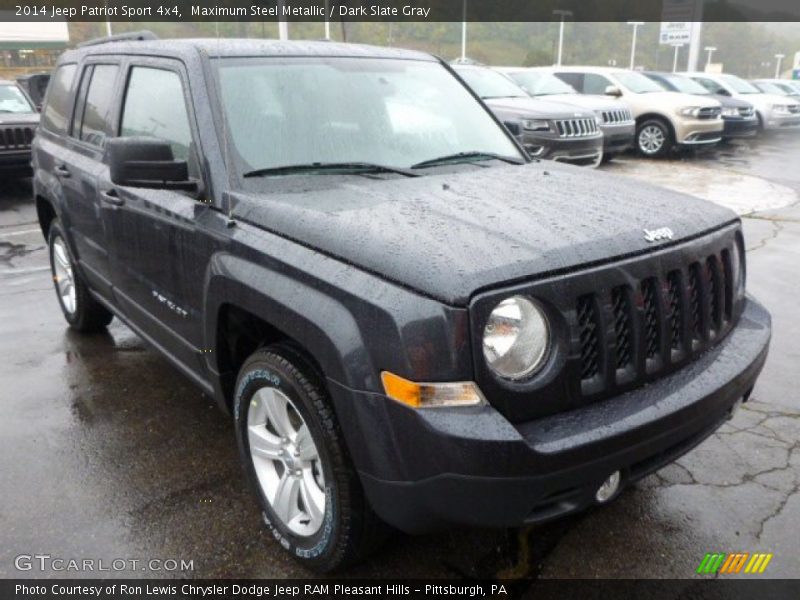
(279, 388)
(81, 310)
(654, 138)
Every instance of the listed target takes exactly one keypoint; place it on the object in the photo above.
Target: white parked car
(774, 111)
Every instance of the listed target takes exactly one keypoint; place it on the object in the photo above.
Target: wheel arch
(658, 117)
(249, 306)
(46, 213)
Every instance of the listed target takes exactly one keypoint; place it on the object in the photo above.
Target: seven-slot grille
(746, 112)
(616, 116)
(576, 127)
(15, 138)
(709, 112)
(653, 322)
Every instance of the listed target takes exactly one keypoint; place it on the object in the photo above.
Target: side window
(161, 115)
(95, 124)
(55, 117)
(573, 79)
(595, 84)
(711, 86)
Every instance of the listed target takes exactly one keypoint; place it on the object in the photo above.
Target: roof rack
(134, 36)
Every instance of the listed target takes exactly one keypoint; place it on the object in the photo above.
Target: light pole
(710, 50)
(635, 25)
(675, 57)
(464, 32)
(563, 14)
(779, 58)
(108, 22)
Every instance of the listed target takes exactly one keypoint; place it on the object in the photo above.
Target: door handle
(110, 197)
(62, 171)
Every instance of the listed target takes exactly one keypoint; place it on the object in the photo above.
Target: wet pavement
(108, 452)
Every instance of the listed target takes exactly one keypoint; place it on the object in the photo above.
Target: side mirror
(146, 162)
(723, 92)
(612, 90)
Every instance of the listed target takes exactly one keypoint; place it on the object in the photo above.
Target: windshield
(397, 113)
(12, 100)
(686, 85)
(490, 84)
(771, 88)
(541, 84)
(740, 86)
(637, 83)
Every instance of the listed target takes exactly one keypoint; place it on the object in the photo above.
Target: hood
(765, 101)
(450, 235)
(19, 118)
(731, 102)
(587, 101)
(536, 108)
(771, 99)
(674, 99)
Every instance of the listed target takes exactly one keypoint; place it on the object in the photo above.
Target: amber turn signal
(423, 395)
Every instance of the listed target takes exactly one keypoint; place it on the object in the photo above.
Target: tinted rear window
(55, 116)
(99, 99)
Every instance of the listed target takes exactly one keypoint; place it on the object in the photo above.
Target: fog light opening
(610, 486)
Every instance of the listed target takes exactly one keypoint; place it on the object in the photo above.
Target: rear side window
(95, 123)
(596, 84)
(573, 79)
(55, 116)
(711, 86)
(155, 107)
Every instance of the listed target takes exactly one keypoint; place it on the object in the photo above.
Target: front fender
(353, 323)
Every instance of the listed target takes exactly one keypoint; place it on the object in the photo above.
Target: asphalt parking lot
(106, 451)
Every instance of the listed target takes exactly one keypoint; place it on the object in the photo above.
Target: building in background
(27, 47)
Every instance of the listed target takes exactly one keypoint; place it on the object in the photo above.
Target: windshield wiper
(363, 167)
(466, 157)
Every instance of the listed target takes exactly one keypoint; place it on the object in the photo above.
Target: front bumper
(427, 469)
(740, 128)
(582, 150)
(691, 132)
(782, 121)
(618, 138)
(15, 160)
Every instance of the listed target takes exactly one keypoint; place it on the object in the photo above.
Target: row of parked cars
(582, 115)
(586, 114)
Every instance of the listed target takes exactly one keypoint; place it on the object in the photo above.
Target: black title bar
(443, 589)
(401, 10)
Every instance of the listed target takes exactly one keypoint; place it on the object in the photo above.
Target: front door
(159, 252)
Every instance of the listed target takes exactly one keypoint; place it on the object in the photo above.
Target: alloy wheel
(286, 461)
(651, 139)
(65, 278)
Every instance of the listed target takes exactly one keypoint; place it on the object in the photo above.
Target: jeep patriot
(411, 322)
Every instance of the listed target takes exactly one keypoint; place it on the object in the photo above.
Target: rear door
(79, 166)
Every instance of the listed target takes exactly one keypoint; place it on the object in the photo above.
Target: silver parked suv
(773, 111)
(615, 118)
(664, 120)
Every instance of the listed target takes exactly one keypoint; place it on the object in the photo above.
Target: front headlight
(738, 272)
(516, 339)
(730, 112)
(535, 125)
(689, 111)
(780, 109)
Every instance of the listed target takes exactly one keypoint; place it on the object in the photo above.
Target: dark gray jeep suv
(409, 321)
(18, 122)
